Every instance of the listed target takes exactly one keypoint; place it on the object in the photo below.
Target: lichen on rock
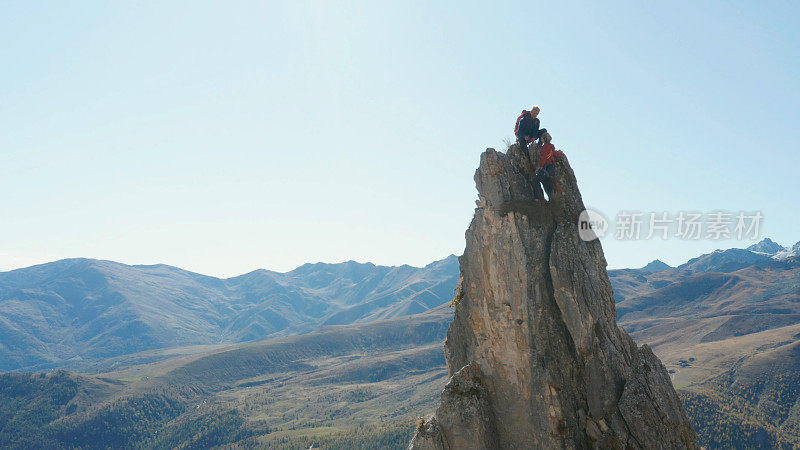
(534, 352)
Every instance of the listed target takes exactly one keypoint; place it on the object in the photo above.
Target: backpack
(519, 119)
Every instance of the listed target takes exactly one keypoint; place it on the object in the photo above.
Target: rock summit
(534, 352)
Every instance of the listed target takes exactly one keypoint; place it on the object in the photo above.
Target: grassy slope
(350, 387)
(730, 343)
(732, 352)
(285, 392)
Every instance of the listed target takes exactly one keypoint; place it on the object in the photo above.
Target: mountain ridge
(79, 307)
(252, 306)
(703, 354)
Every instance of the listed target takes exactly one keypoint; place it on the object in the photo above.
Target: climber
(546, 170)
(527, 128)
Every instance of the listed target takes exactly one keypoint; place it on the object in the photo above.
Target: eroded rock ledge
(534, 352)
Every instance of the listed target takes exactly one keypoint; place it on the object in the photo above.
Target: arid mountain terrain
(726, 325)
(75, 313)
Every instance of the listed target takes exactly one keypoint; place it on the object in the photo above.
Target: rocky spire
(534, 352)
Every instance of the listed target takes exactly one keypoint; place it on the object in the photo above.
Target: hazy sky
(227, 136)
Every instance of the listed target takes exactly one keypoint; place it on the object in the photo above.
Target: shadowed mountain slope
(338, 377)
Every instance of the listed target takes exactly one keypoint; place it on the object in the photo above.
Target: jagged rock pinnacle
(534, 352)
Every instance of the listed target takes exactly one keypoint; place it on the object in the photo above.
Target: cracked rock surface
(534, 352)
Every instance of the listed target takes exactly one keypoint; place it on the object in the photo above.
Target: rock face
(534, 352)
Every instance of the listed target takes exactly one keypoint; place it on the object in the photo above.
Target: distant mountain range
(71, 312)
(75, 312)
(727, 326)
(768, 247)
(162, 342)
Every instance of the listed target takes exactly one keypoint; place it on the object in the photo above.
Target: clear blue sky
(227, 136)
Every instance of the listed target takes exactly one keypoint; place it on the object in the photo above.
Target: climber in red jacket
(546, 170)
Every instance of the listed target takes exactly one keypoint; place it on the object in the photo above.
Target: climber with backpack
(546, 170)
(527, 128)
